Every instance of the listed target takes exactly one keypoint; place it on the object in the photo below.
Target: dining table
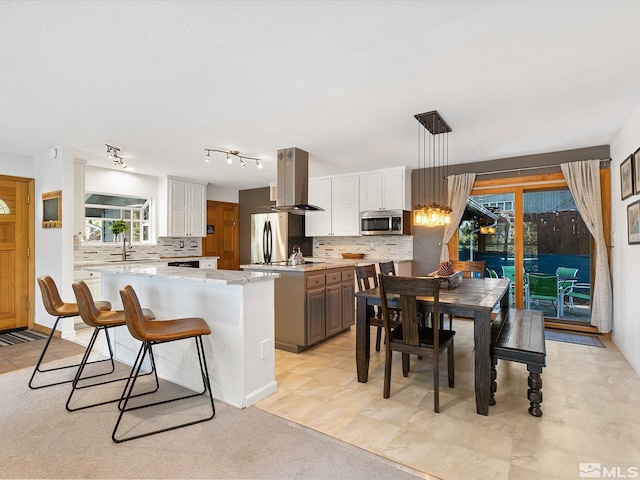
(476, 298)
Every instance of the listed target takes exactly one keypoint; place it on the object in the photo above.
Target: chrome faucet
(124, 247)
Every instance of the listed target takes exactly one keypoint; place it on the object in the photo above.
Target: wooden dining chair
(387, 268)
(469, 269)
(367, 277)
(410, 337)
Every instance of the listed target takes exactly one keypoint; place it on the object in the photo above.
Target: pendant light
(433, 163)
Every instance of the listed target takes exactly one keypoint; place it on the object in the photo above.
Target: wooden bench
(520, 338)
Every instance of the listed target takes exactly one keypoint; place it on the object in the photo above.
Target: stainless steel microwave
(385, 222)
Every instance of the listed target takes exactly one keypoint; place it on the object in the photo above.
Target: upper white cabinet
(186, 207)
(388, 189)
(339, 196)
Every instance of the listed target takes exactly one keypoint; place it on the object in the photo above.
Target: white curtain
(583, 179)
(460, 187)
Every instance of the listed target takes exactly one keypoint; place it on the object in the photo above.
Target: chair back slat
(388, 268)
(469, 269)
(408, 288)
(366, 276)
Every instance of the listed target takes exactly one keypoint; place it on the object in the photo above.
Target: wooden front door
(15, 235)
(223, 241)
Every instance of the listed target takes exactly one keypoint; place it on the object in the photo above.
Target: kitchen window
(101, 210)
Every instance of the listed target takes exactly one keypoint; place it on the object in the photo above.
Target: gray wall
(427, 242)
(250, 202)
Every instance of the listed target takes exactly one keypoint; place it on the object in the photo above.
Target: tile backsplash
(393, 247)
(166, 247)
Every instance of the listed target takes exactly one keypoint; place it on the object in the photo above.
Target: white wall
(54, 246)
(16, 165)
(222, 194)
(625, 258)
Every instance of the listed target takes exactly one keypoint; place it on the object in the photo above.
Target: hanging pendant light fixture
(433, 164)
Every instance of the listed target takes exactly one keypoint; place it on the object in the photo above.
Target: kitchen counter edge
(153, 270)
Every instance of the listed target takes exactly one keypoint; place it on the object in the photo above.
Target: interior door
(14, 253)
(222, 234)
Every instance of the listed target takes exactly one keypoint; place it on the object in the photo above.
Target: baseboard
(45, 330)
(262, 392)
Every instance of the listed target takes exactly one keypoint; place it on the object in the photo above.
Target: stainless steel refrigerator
(273, 236)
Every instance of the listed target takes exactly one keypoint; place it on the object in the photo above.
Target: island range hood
(292, 183)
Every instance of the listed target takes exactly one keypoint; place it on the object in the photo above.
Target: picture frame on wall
(626, 177)
(636, 171)
(633, 222)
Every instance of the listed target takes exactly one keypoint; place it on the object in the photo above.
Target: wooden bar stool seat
(55, 307)
(101, 321)
(152, 333)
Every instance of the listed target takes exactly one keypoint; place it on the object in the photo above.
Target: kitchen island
(313, 301)
(237, 306)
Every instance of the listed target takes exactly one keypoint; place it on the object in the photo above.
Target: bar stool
(55, 307)
(101, 321)
(151, 334)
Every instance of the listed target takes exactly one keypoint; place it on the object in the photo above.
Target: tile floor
(591, 398)
(590, 410)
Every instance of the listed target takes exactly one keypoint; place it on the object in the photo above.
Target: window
(101, 210)
(4, 208)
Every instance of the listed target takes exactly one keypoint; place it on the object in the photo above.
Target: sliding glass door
(534, 236)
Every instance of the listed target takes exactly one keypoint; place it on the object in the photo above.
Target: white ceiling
(342, 80)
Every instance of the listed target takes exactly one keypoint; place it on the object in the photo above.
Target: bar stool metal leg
(147, 348)
(78, 377)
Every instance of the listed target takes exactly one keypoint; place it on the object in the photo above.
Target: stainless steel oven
(385, 222)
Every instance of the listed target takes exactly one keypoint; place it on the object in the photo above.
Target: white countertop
(136, 261)
(154, 270)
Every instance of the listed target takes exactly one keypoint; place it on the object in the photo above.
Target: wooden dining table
(475, 298)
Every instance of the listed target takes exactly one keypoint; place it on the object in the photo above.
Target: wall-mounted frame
(52, 209)
(636, 171)
(633, 222)
(626, 177)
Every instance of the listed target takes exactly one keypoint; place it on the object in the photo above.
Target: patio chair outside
(542, 287)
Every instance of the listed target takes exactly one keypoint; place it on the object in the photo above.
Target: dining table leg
(363, 340)
(482, 341)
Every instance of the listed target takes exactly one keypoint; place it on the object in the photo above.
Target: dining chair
(55, 307)
(387, 268)
(542, 287)
(367, 277)
(152, 333)
(410, 337)
(469, 269)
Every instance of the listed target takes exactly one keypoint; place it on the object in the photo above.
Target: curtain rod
(603, 163)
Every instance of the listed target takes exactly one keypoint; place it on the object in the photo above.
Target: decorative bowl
(353, 255)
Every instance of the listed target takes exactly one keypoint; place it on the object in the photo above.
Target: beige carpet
(40, 439)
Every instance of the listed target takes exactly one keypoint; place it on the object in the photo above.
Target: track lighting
(230, 154)
(113, 154)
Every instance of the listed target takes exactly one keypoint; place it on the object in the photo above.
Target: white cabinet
(388, 189)
(209, 262)
(339, 196)
(186, 203)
